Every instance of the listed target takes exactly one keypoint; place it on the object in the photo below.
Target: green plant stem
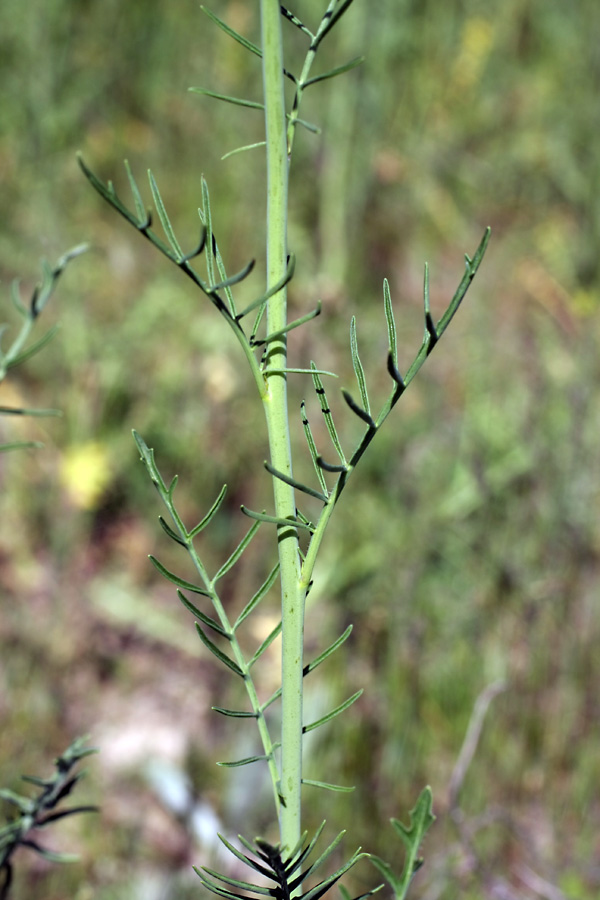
(275, 405)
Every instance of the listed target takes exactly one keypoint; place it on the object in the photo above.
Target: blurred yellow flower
(85, 473)
(475, 45)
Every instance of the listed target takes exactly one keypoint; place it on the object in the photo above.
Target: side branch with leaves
(261, 327)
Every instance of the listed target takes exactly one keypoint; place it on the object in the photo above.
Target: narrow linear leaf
(358, 367)
(196, 251)
(266, 643)
(243, 149)
(225, 282)
(147, 457)
(295, 484)
(234, 882)
(296, 21)
(395, 374)
(345, 789)
(15, 294)
(314, 129)
(171, 533)
(334, 712)
(19, 411)
(141, 210)
(391, 322)
(358, 410)
(258, 596)
(209, 515)
(470, 272)
(301, 852)
(237, 101)
(230, 663)
(331, 467)
(242, 762)
(326, 653)
(179, 582)
(237, 552)
(233, 34)
(235, 713)
(217, 888)
(198, 614)
(21, 445)
(320, 391)
(206, 219)
(337, 71)
(234, 279)
(61, 814)
(327, 24)
(32, 349)
(289, 273)
(312, 447)
(274, 520)
(164, 218)
(430, 328)
(295, 324)
(323, 857)
(268, 372)
(247, 860)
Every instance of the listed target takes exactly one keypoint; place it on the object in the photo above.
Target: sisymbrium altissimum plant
(261, 328)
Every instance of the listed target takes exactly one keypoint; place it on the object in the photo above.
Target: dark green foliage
(40, 811)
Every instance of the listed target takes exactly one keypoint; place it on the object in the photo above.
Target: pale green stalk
(275, 405)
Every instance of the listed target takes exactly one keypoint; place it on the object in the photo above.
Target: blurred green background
(467, 549)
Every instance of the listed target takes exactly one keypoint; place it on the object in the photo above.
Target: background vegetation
(468, 549)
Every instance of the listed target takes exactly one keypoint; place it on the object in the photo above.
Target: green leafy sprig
(19, 351)
(40, 811)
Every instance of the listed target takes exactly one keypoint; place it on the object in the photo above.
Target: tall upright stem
(275, 405)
